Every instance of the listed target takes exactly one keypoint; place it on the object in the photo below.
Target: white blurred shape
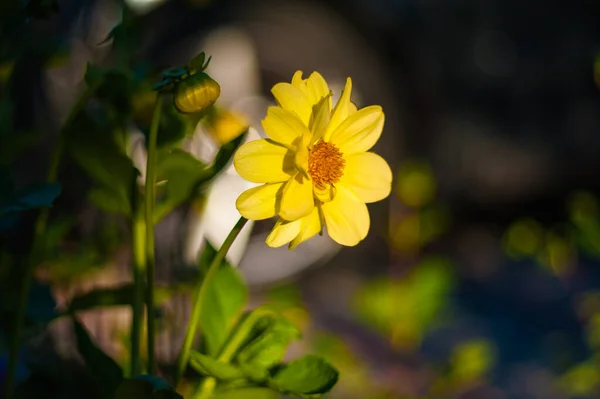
(143, 6)
(219, 214)
(234, 63)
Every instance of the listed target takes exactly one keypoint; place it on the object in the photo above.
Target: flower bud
(196, 92)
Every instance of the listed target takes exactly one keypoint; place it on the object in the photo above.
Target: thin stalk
(139, 265)
(38, 235)
(192, 327)
(150, 258)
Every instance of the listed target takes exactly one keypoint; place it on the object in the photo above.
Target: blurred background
(480, 277)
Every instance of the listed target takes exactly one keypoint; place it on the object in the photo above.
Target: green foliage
(105, 370)
(113, 87)
(105, 162)
(248, 393)
(406, 307)
(209, 366)
(41, 195)
(309, 376)
(145, 387)
(225, 300)
(181, 172)
(268, 348)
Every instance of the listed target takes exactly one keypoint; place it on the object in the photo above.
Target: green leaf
(146, 387)
(182, 173)
(181, 170)
(175, 126)
(269, 346)
(225, 154)
(309, 376)
(114, 87)
(105, 370)
(248, 393)
(225, 300)
(106, 199)
(37, 196)
(197, 63)
(104, 160)
(209, 366)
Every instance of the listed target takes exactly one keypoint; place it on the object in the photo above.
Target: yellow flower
(315, 166)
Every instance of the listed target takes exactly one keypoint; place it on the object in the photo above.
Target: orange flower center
(325, 164)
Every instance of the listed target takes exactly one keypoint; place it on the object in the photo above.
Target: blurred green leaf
(225, 154)
(211, 367)
(226, 298)
(105, 370)
(197, 63)
(99, 155)
(472, 360)
(309, 376)
(114, 87)
(41, 195)
(248, 393)
(406, 308)
(182, 171)
(268, 348)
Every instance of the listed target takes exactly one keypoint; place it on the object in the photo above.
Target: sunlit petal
(260, 202)
(297, 200)
(360, 131)
(340, 112)
(283, 126)
(293, 99)
(309, 227)
(263, 161)
(320, 119)
(368, 175)
(317, 89)
(346, 217)
(283, 233)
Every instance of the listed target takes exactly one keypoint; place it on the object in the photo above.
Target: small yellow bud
(225, 126)
(196, 92)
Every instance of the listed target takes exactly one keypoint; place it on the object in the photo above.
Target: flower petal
(320, 119)
(317, 88)
(347, 217)
(360, 131)
(309, 227)
(293, 99)
(260, 202)
(283, 126)
(297, 200)
(283, 232)
(368, 175)
(340, 112)
(264, 161)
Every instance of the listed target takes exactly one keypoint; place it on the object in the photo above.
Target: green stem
(38, 235)
(150, 259)
(192, 327)
(139, 265)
